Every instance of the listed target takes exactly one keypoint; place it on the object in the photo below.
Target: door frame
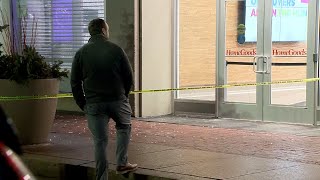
(262, 110)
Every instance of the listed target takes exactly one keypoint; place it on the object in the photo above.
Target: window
(61, 25)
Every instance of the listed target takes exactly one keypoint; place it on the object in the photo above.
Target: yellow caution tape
(69, 95)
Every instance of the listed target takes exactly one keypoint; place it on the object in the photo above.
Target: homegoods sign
(275, 52)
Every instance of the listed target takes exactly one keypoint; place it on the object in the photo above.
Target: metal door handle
(255, 65)
(266, 60)
(267, 63)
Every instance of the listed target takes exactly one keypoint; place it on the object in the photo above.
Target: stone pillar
(156, 53)
(122, 17)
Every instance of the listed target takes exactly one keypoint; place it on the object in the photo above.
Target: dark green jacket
(101, 72)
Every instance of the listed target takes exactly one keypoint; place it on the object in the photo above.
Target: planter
(32, 118)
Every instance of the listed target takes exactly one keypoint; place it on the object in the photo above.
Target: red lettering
(290, 52)
(275, 52)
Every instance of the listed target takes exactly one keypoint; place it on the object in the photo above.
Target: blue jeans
(98, 115)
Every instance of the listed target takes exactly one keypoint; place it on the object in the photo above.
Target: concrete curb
(45, 169)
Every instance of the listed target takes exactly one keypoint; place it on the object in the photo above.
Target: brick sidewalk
(278, 145)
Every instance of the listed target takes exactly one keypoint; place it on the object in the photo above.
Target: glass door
(259, 41)
(237, 58)
(289, 44)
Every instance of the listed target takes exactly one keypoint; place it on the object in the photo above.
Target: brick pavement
(278, 145)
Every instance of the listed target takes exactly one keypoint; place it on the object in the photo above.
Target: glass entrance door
(287, 28)
(266, 41)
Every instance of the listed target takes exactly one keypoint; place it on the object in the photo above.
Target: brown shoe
(127, 168)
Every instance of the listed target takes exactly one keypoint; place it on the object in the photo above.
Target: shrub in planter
(25, 72)
(29, 65)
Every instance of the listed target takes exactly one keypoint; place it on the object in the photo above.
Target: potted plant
(26, 73)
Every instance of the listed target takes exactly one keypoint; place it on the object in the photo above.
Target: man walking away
(101, 79)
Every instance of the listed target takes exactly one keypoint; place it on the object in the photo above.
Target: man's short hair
(95, 26)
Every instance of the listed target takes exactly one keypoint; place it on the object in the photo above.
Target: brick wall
(197, 42)
(198, 46)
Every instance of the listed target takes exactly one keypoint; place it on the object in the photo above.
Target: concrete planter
(32, 118)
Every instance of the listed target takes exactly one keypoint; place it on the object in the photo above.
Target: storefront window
(197, 48)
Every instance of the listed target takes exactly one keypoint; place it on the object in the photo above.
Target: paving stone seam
(157, 151)
(86, 163)
(259, 172)
(183, 174)
(55, 156)
(179, 164)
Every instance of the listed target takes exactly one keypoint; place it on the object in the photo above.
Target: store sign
(275, 52)
(289, 22)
